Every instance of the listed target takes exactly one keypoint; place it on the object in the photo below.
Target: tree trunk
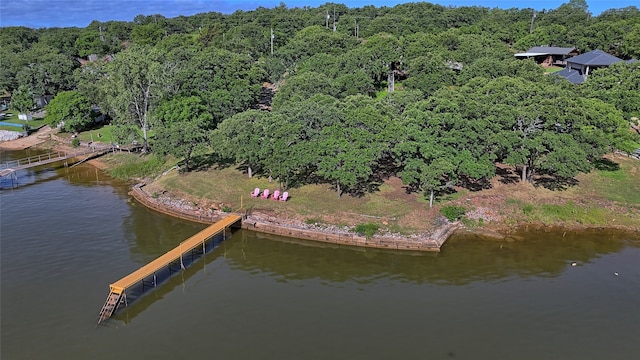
(391, 85)
(523, 176)
(186, 162)
(636, 127)
(144, 137)
(249, 171)
(431, 199)
(145, 111)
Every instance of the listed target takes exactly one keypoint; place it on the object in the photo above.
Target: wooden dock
(118, 289)
(10, 167)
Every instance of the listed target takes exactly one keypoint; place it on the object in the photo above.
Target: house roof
(594, 58)
(551, 50)
(529, 54)
(572, 75)
(545, 50)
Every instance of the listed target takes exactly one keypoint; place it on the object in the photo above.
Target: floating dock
(117, 293)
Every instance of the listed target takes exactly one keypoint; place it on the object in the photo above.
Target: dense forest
(343, 96)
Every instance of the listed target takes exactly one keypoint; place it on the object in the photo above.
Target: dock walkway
(9, 167)
(118, 289)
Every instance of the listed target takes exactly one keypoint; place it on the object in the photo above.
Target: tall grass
(129, 166)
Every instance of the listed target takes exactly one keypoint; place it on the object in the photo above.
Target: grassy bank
(605, 197)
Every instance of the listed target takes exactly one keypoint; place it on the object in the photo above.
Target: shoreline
(269, 225)
(39, 137)
(340, 236)
(312, 232)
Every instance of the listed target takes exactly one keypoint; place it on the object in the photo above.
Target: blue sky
(66, 13)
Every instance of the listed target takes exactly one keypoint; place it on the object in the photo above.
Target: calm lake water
(67, 233)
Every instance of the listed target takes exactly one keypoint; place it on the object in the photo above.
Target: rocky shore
(6, 135)
(12, 140)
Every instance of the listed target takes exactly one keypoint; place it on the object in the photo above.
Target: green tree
(61, 39)
(244, 138)
(424, 152)
(631, 43)
(293, 134)
(47, 71)
(22, 100)
(618, 85)
(314, 40)
(71, 109)
(543, 127)
(568, 14)
(380, 55)
(348, 149)
(287, 156)
(88, 80)
(12, 63)
(302, 86)
(90, 42)
(228, 83)
(181, 127)
(429, 73)
(149, 34)
(134, 85)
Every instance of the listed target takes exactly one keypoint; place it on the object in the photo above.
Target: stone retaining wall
(339, 238)
(147, 200)
(254, 223)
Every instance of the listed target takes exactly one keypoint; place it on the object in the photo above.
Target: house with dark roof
(548, 55)
(579, 67)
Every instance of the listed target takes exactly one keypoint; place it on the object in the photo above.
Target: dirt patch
(42, 135)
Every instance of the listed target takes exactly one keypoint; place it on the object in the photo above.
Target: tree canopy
(72, 109)
(429, 93)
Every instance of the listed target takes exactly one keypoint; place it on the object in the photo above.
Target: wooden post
(181, 263)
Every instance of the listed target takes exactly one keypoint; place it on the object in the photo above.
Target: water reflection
(151, 234)
(464, 259)
(81, 174)
(261, 297)
(142, 298)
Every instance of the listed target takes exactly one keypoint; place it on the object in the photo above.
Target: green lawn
(551, 70)
(13, 118)
(621, 185)
(103, 134)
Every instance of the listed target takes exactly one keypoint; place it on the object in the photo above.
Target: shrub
(75, 142)
(527, 209)
(368, 229)
(226, 209)
(453, 212)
